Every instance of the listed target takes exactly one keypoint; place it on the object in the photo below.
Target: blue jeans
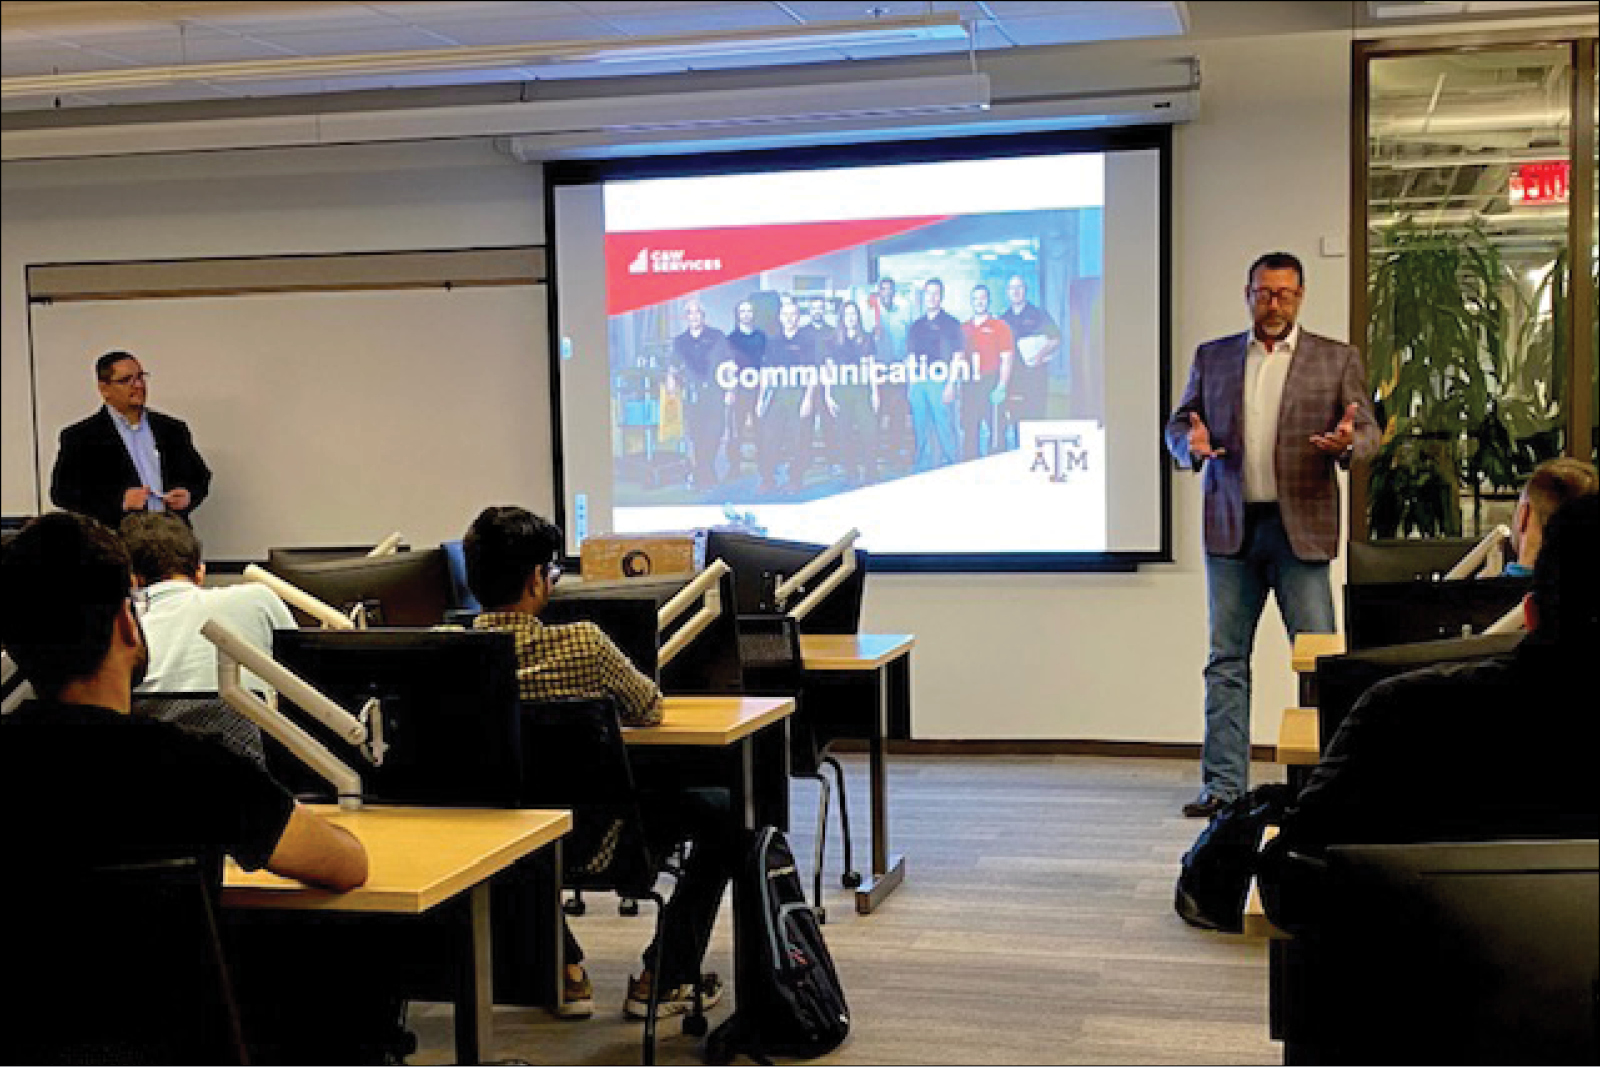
(1236, 589)
(934, 424)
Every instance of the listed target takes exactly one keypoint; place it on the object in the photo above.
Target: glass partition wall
(1474, 197)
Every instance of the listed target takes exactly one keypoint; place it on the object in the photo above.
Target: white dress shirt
(1264, 376)
(181, 659)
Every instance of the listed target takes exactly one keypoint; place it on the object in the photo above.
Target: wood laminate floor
(1035, 926)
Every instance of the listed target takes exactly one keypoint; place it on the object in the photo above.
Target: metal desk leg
(474, 1007)
(888, 870)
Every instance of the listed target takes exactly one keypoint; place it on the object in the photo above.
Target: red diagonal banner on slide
(651, 266)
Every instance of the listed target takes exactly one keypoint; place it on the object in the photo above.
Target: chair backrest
(208, 715)
(574, 756)
(121, 964)
(1468, 952)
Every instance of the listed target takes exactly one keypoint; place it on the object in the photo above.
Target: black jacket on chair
(93, 468)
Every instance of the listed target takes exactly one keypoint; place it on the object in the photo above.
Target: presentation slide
(959, 358)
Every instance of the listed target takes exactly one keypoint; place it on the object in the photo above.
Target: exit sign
(1541, 183)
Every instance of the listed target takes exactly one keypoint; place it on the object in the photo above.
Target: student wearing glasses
(1268, 417)
(512, 564)
(126, 458)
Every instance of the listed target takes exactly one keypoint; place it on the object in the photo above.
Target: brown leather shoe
(1204, 806)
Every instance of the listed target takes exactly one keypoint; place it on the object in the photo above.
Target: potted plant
(1436, 331)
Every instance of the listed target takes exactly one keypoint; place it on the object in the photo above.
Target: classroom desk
(421, 858)
(1299, 738)
(730, 727)
(1308, 648)
(886, 658)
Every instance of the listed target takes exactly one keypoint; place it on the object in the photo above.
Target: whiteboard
(327, 417)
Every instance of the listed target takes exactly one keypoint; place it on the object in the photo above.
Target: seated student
(511, 565)
(89, 785)
(1552, 483)
(165, 555)
(1498, 748)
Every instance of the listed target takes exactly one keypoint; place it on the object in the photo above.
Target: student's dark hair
(1566, 576)
(160, 546)
(503, 547)
(103, 365)
(65, 582)
(1278, 261)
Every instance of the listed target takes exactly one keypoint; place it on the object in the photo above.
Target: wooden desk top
(1308, 647)
(853, 652)
(419, 857)
(1299, 738)
(710, 720)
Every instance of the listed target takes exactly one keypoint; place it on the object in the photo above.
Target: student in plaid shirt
(511, 557)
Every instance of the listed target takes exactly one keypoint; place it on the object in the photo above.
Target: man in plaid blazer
(1267, 417)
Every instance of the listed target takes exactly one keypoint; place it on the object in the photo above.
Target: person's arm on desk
(317, 852)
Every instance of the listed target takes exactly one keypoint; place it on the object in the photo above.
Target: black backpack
(1215, 877)
(788, 1001)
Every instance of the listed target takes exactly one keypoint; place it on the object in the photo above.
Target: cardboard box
(606, 557)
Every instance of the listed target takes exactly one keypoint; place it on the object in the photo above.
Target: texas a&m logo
(1058, 456)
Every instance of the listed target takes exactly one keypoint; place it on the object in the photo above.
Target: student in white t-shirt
(166, 563)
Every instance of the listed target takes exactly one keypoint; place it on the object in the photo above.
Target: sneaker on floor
(577, 997)
(676, 1001)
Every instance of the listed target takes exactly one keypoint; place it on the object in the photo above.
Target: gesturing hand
(1200, 438)
(1343, 435)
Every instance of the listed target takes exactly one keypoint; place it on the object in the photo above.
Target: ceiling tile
(859, 10)
(658, 19)
(389, 38)
(517, 31)
(457, 12)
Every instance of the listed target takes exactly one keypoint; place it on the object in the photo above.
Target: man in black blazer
(126, 457)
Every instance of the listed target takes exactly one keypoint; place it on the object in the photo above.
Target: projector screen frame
(558, 174)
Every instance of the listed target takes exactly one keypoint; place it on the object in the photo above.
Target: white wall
(1114, 657)
(325, 200)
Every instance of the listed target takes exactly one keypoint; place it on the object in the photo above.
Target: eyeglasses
(552, 573)
(140, 599)
(1282, 296)
(142, 376)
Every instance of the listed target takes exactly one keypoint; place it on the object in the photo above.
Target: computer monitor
(449, 706)
(1397, 613)
(291, 556)
(627, 609)
(1404, 559)
(1461, 952)
(404, 589)
(1341, 680)
(461, 599)
(630, 621)
(760, 563)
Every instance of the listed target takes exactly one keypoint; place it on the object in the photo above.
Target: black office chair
(207, 715)
(1461, 952)
(120, 964)
(575, 757)
(773, 666)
